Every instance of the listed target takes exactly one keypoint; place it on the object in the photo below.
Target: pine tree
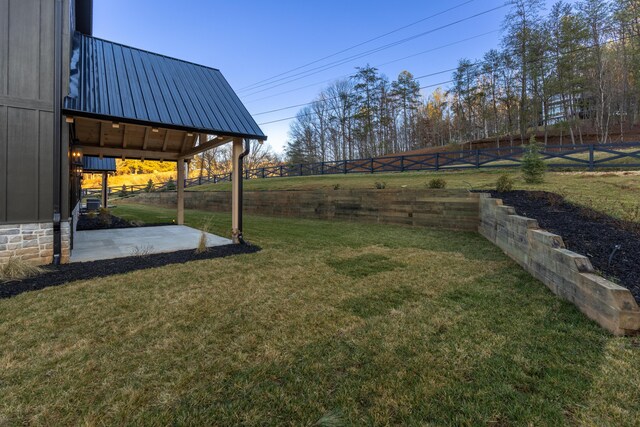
(533, 166)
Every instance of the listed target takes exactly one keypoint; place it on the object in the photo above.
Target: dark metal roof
(96, 164)
(116, 82)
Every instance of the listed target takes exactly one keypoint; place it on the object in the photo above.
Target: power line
(316, 70)
(357, 45)
(378, 65)
(313, 112)
(477, 63)
(336, 97)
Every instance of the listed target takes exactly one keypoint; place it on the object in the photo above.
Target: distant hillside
(553, 138)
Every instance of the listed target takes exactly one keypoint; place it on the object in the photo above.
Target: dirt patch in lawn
(613, 245)
(65, 273)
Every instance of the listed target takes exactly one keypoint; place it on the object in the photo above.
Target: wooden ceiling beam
(202, 137)
(102, 133)
(130, 153)
(147, 130)
(206, 146)
(166, 140)
(124, 135)
(185, 139)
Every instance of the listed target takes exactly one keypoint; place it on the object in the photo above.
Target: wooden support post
(105, 189)
(236, 187)
(180, 220)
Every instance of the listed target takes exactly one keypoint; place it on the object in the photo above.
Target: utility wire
(379, 65)
(319, 69)
(356, 45)
(311, 113)
(477, 63)
(336, 97)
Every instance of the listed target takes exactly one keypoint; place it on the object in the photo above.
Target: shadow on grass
(502, 350)
(363, 265)
(379, 302)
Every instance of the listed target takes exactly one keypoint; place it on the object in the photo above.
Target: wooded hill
(570, 75)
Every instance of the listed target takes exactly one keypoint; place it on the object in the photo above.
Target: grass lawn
(615, 193)
(331, 324)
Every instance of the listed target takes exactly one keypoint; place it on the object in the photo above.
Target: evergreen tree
(533, 166)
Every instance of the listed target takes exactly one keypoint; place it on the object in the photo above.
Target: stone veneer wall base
(32, 243)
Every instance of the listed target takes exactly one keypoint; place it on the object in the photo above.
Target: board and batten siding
(27, 30)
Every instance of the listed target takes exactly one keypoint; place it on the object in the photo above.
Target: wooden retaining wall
(568, 274)
(448, 209)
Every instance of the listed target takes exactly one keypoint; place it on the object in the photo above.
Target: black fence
(587, 157)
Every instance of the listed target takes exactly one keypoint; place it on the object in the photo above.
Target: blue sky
(253, 40)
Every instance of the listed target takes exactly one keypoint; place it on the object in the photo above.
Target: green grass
(332, 323)
(614, 193)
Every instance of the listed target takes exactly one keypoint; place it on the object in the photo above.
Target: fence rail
(588, 157)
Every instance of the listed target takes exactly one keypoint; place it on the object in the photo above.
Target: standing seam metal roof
(96, 164)
(113, 81)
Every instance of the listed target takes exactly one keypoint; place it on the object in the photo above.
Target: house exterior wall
(27, 121)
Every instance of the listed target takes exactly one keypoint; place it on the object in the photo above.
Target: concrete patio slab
(96, 245)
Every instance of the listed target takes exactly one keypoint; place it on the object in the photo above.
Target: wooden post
(180, 220)
(105, 189)
(236, 177)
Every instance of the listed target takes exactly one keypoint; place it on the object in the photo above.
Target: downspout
(247, 150)
(57, 134)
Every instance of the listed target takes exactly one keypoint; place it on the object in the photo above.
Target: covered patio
(95, 245)
(132, 104)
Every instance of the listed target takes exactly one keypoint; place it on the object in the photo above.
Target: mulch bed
(107, 222)
(586, 232)
(65, 273)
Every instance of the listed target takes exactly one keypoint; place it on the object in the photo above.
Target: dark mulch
(106, 222)
(59, 275)
(586, 232)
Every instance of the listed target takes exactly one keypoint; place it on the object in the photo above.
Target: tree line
(575, 70)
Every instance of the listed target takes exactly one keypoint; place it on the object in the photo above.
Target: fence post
(215, 179)
(300, 170)
(372, 165)
(280, 171)
(321, 168)
(591, 162)
(262, 172)
(401, 163)
(344, 166)
(437, 161)
(477, 159)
